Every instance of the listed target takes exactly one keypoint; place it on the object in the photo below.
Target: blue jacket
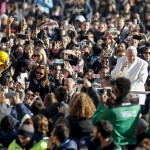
(68, 145)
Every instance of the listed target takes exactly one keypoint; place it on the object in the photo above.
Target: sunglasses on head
(37, 72)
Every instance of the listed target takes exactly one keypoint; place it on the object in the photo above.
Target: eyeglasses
(37, 72)
(36, 55)
(147, 53)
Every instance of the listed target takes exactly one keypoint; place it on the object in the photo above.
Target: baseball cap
(80, 18)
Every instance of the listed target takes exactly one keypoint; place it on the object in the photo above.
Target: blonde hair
(81, 106)
(42, 51)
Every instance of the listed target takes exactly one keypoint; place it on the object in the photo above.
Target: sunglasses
(36, 55)
(37, 72)
(147, 53)
(64, 54)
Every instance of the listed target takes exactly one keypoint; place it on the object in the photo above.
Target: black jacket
(80, 127)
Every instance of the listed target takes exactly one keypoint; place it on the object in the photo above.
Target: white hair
(131, 48)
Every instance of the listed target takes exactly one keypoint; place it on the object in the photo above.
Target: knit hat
(8, 123)
(26, 129)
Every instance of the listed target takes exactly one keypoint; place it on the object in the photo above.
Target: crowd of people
(74, 75)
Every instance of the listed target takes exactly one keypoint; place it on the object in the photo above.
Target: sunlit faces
(57, 72)
(29, 51)
(39, 73)
(38, 56)
(131, 55)
(85, 26)
(70, 85)
(103, 72)
(146, 55)
(19, 51)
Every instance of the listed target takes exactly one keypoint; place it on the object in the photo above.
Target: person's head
(49, 99)
(95, 24)
(146, 53)
(40, 123)
(102, 27)
(85, 26)
(105, 61)
(120, 52)
(57, 71)
(142, 126)
(5, 43)
(29, 94)
(26, 132)
(106, 81)
(3, 19)
(18, 51)
(79, 20)
(70, 85)
(63, 121)
(122, 87)
(36, 107)
(89, 74)
(28, 49)
(103, 71)
(60, 134)
(40, 55)
(8, 123)
(131, 54)
(81, 106)
(144, 145)
(120, 23)
(41, 73)
(102, 130)
(61, 93)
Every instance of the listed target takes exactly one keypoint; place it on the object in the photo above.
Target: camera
(137, 37)
(101, 91)
(79, 81)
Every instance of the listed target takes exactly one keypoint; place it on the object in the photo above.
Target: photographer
(122, 115)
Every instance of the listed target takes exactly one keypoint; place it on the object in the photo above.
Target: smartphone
(135, 21)
(103, 90)
(58, 61)
(80, 81)
(22, 36)
(22, 78)
(137, 37)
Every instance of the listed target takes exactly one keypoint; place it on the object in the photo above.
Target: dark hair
(60, 93)
(61, 132)
(36, 107)
(108, 79)
(63, 121)
(96, 49)
(104, 127)
(123, 85)
(102, 67)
